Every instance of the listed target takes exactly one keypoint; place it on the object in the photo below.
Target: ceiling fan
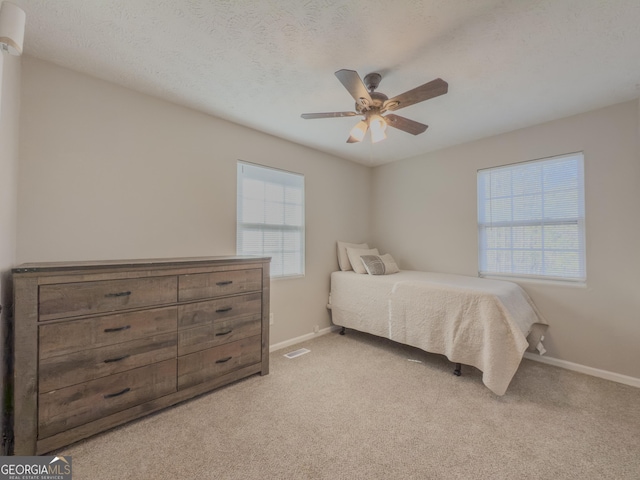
(372, 105)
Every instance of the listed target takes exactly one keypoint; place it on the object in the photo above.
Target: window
(531, 219)
(270, 213)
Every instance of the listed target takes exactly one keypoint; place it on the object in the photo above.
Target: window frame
(285, 179)
(578, 220)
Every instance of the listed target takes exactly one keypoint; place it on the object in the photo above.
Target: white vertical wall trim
(1, 64)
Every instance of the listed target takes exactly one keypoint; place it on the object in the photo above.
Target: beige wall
(424, 213)
(9, 117)
(9, 120)
(108, 173)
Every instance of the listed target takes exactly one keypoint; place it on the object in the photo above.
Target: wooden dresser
(100, 343)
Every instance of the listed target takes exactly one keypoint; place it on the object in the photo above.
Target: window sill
(537, 281)
(287, 277)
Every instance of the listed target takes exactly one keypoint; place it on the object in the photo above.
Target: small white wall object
(12, 20)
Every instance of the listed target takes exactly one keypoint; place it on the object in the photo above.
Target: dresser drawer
(217, 284)
(69, 407)
(76, 335)
(65, 370)
(84, 298)
(218, 332)
(208, 364)
(199, 313)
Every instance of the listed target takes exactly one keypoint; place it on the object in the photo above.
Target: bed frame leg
(458, 371)
(342, 331)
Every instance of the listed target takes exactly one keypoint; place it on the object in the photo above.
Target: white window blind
(270, 217)
(531, 219)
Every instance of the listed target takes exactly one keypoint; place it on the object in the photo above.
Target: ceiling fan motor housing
(377, 101)
(372, 80)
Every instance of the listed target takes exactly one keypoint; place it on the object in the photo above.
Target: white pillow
(354, 255)
(380, 264)
(343, 259)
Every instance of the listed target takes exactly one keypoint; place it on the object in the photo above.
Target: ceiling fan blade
(309, 116)
(404, 124)
(432, 89)
(353, 83)
(352, 139)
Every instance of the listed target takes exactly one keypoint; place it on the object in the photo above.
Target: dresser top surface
(50, 267)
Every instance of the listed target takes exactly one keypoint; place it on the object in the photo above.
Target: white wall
(109, 173)
(424, 213)
(9, 116)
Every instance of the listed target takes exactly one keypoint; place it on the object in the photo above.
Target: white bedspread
(475, 321)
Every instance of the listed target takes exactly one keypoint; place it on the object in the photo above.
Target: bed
(488, 324)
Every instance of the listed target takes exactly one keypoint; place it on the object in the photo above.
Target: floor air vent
(297, 353)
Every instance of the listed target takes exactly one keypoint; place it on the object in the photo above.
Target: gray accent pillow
(354, 255)
(379, 264)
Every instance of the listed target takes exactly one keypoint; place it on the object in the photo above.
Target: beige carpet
(355, 407)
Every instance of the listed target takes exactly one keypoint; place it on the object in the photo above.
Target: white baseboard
(303, 338)
(576, 367)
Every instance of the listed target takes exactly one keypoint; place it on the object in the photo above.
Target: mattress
(488, 324)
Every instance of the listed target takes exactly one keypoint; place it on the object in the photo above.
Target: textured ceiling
(261, 63)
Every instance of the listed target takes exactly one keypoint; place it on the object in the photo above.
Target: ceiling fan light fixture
(378, 126)
(358, 132)
(377, 136)
(377, 122)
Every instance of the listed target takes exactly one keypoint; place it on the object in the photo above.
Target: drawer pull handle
(118, 294)
(117, 359)
(225, 282)
(224, 309)
(224, 360)
(222, 334)
(117, 329)
(117, 394)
